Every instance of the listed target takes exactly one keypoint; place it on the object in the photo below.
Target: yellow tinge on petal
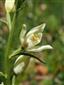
(34, 36)
(9, 4)
(34, 39)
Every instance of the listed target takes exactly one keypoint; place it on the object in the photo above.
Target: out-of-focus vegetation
(33, 13)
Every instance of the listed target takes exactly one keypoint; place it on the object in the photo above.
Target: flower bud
(9, 4)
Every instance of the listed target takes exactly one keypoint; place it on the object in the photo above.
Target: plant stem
(8, 49)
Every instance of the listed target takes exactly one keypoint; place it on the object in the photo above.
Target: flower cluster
(32, 38)
(29, 43)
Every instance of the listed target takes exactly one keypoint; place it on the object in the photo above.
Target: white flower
(33, 38)
(9, 4)
(28, 43)
(2, 83)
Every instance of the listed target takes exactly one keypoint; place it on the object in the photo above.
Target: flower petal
(34, 36)
(19, 68)
(38, 49)
(22, 34)
(20, 64)
(2, 83)
(39, 28)
(34, 39)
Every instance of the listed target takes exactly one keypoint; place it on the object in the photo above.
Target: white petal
(22, 34)
(2, 83)
(39, 28)
(34, 36)
(34, 39)
(19, 68)
(41, 48)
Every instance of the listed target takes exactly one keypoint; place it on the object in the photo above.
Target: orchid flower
(32, 38)
(28, 44)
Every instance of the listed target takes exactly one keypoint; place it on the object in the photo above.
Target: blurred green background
(33, 13)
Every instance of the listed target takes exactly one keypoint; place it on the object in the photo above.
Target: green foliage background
(33, 13)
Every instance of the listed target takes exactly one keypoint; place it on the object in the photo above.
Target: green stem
(9, 21)
(8, 49)
(13, 80)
